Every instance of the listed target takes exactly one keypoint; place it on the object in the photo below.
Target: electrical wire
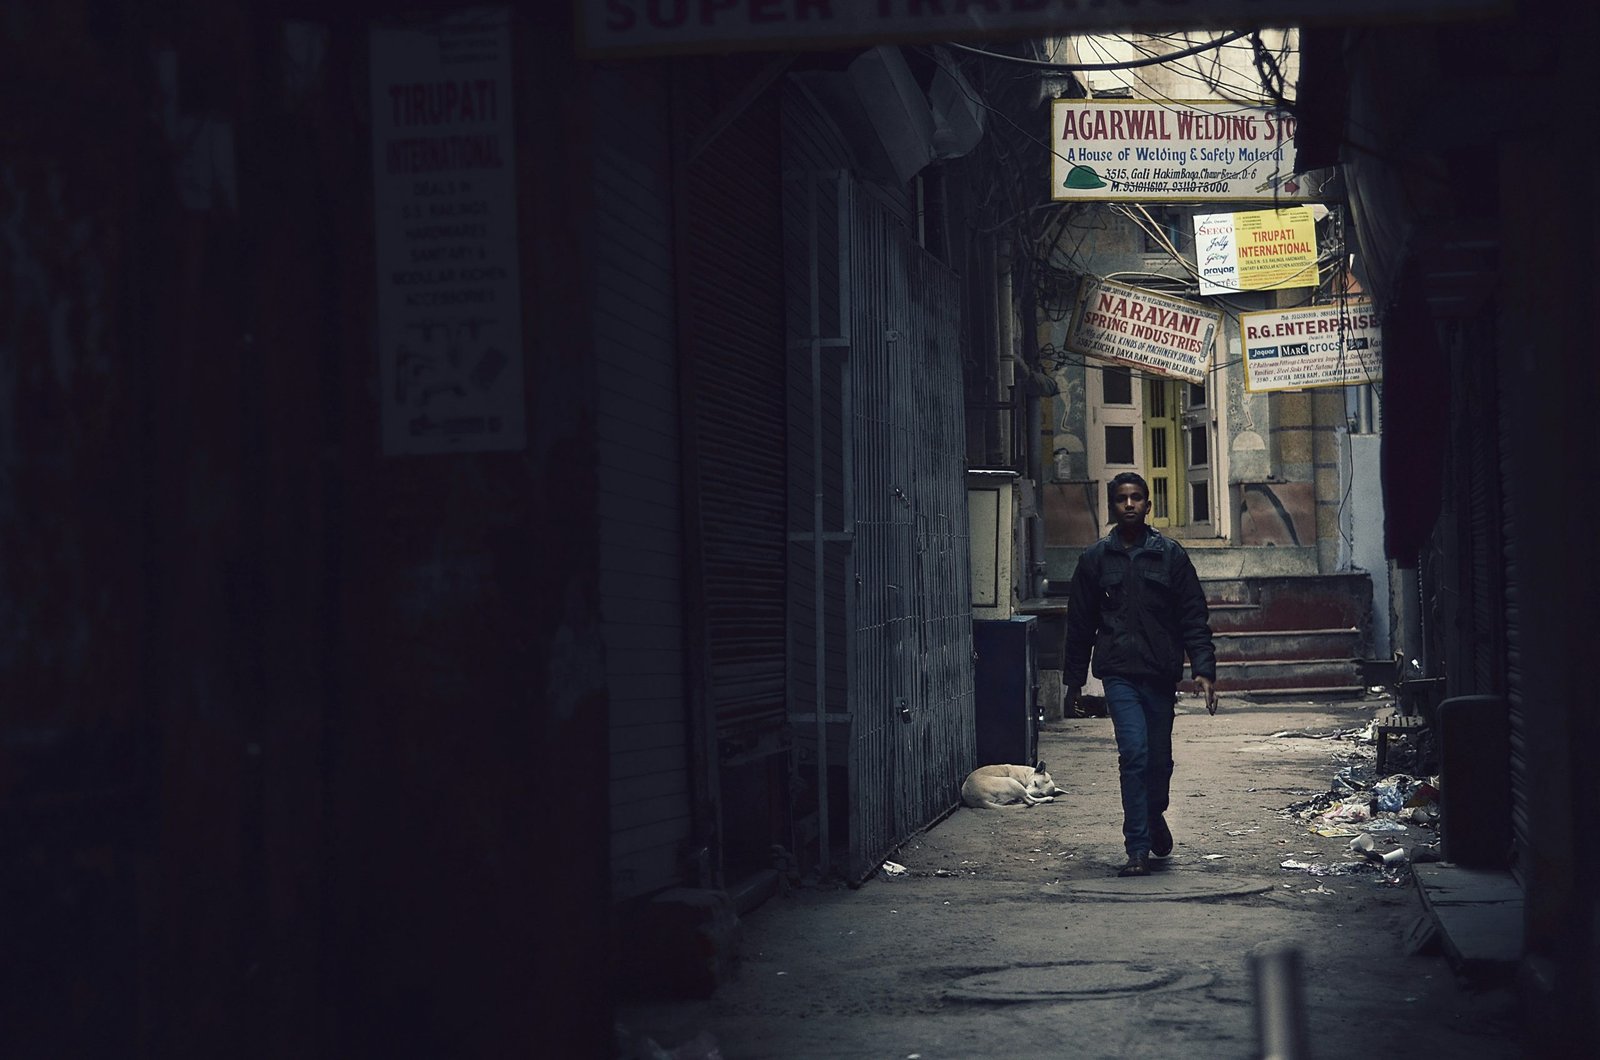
(1131, 64)
(1262, 96)
(1147, 224)
(1022, 215)
(1330, 283)
(1049, 148)
(1220, 83)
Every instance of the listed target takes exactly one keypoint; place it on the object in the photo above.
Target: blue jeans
(1141, 712)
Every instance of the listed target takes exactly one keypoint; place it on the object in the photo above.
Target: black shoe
(1160, 837)
(1138, 865)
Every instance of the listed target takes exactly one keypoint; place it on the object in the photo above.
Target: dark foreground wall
(285, 724)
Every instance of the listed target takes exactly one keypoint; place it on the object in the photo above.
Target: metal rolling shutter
(733, 273)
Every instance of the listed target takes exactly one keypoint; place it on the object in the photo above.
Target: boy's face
(1129, 505)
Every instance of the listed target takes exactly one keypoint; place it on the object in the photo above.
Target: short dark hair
(1127, 478)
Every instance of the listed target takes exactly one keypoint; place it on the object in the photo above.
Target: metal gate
(880, 612)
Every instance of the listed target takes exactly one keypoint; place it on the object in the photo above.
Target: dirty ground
(1008, 932)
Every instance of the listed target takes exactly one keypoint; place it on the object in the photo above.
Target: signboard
(1120, 150)
(1265, 250)
(641, 27)
(1142, 329)
(1325, 345)
(444, 190)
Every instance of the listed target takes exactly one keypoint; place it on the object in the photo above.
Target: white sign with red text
(445, 196)
(1325, 345)
(1153, 332)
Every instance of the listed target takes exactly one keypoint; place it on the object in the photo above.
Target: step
(1281, 692)
(1479, 913)
(1309, 692)
(1288, 674)
(1251, 645)
(1230, 618)
(1294, 602)
(1228, 592)
(1260, 561)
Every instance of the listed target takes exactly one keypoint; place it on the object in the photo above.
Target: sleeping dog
(989, 787)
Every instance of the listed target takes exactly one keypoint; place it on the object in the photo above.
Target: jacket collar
(1152, 539)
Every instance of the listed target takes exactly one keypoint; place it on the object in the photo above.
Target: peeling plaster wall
(1102, 243)
(1106, 245)
(1248, 424)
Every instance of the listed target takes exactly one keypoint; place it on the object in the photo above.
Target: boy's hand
(1070, 707)
(1203, 684)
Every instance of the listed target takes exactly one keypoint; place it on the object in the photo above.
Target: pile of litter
(1372, 814)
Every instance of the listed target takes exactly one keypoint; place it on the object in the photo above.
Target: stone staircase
(1290, 634)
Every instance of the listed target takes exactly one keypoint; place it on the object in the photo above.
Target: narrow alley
(1009, 933)
(507, 509)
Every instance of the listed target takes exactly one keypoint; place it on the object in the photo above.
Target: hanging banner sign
(1325, 345)
(642, 27)
(1120, 150)
(1142, 329)
(1266, 250)
(445, 195)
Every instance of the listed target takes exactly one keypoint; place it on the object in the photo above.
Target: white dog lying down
(989, 787)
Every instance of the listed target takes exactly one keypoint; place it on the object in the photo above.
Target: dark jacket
(1141, 609)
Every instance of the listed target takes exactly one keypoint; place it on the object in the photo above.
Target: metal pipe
(1275, 973)
(1033, 436)
(995, 444)
(1005, 342)
(818, 570)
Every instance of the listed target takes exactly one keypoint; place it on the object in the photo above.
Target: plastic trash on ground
(1425, 794)
(1314, 868)
(1396, 792)
(1353, 810)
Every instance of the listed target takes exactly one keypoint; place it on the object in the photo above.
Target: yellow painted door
(1163, 448)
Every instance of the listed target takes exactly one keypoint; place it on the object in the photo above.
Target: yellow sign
(1264, 250)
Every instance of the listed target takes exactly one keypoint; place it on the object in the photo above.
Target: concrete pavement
(1008, 933)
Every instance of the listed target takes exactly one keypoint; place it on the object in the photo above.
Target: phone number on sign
(1171, 187)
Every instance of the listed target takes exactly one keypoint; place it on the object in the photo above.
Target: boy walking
(1137, 602)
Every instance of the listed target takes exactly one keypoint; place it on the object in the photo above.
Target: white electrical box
(992, 522)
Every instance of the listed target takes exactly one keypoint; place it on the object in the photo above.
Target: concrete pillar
(1328, 418)
(1305, 447)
